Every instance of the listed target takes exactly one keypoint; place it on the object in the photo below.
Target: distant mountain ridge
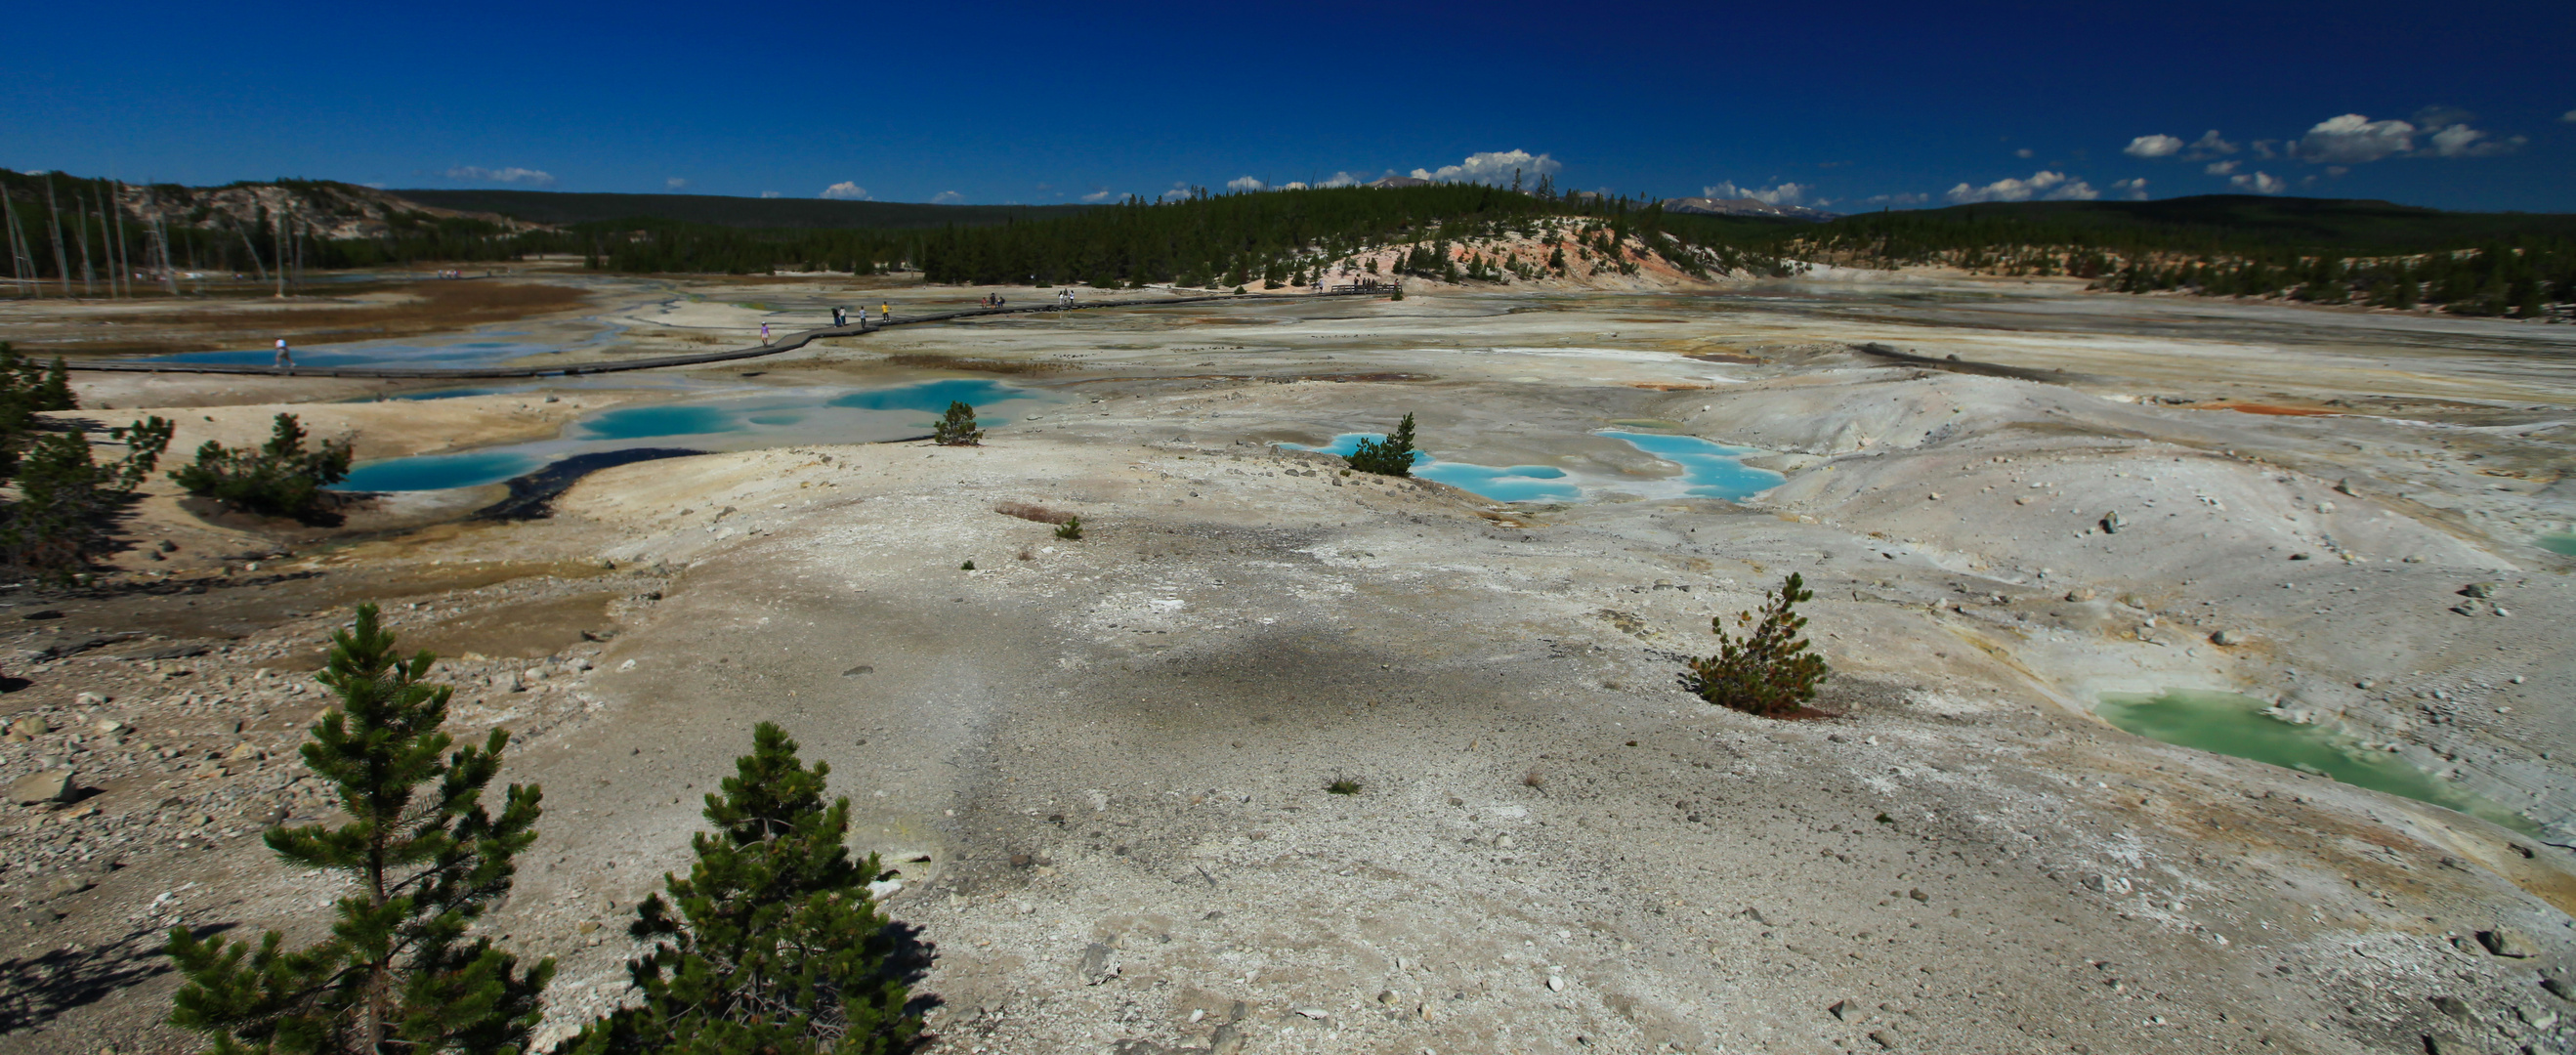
(562, 208)
(1744, 207)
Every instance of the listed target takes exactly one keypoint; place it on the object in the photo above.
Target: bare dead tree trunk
(54, 223)
(124, 253)
(19, 263)
(80, 232)
(253, 247)
(161, 231)
(280, 249)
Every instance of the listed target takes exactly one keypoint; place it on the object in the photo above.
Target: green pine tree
(957, 429)
(1392, 455)
(398, 973)
(1768, 671)
(777, 946)
(280, 478)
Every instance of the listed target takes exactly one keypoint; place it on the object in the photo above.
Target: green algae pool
(2230, 724)
(2561, 542)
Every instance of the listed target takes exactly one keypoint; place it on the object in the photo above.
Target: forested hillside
(557, 208)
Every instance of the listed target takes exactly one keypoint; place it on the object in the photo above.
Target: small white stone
(1556, 983)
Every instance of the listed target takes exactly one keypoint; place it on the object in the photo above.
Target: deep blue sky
(1856, 105)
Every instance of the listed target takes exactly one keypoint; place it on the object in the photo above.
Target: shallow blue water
(1509, 483)
(932, 396)
(2227, 723)
(635, 423)
(437, 471)
(2559, 543)
(1712, 470)
(743, 420)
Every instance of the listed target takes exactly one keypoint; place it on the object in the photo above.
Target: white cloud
(1245, 183)
(1103, 194)
(2462, 141)
(2220, 168)
(2132, 189)
(1493, 166)
(846, 190)
(2155, 146)
(2054, 186)
(771, 194)
(2258, 182)
(946, 197)
(2352, 138)
(2569, 117)
(1179, 192)
(2210, 145)
(1896, 199)
(1784, 194)
(513, 174)
(1344, 179)
(675, 183)
(2024, 152)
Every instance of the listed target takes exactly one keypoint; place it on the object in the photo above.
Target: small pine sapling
(957, 429)
(772, 943)
(1070, 530)
(424, 861)
(1767, 672)
(1391, 456)
(280, 477)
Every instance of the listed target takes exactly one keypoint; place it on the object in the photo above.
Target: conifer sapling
(1391, 455)
(423, 861)
(957, 429)
(1767, 672)
(772, 943)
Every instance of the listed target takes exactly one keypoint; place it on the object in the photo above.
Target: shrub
(281, 478)
(423, 862)
(957, 429)
(64, 496)
(1390, 456)
(1070, 530)
(776, 945)
(1343, 785)
(1767, 672)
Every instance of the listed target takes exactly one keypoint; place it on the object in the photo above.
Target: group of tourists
(993, 300)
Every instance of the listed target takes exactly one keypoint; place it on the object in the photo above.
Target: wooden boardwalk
(786, 342)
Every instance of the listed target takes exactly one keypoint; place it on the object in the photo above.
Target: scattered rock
(2111, 523)
(2224, 637)
(54, 786)
(1556, 983)
(1883, 1039)
(1096, 967)
(67, 885)
(2435, 1044)
(1227, 1040)
(1841, 1010)
(858, 670)
(2479, 590)
(2508, 943)
(2558, 989)
(2452, 1006)
(2106, 884)
(1316, 1013)
(1918, 895)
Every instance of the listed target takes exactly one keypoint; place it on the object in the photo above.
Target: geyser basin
(764, 418)
(2230, 724)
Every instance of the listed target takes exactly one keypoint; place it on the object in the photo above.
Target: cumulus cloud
(2462, 141)
(846, 190)
(2132, 189)
(1245, 183)
(2024, 153)
(1179, 192)
(1344, 179)
(513, 174)
(1493, 166)
(2437, 115)
(2220, 168)
(675, 183)
(2352, 139)
(1784, 194)
(946, 197)
(2155, 146)
(2258, 182)
(1099, 195)
(2053, 186)
(1896, 199)
(2209, 145)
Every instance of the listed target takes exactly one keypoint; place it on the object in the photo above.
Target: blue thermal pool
(1709, 470)
(2559, 543)
(749, 420)
(1511, 483)
(2226, 723)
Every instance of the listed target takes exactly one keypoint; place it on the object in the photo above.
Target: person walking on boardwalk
(885, 311)
(839, 318)
(285, 358)
(764, 333)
